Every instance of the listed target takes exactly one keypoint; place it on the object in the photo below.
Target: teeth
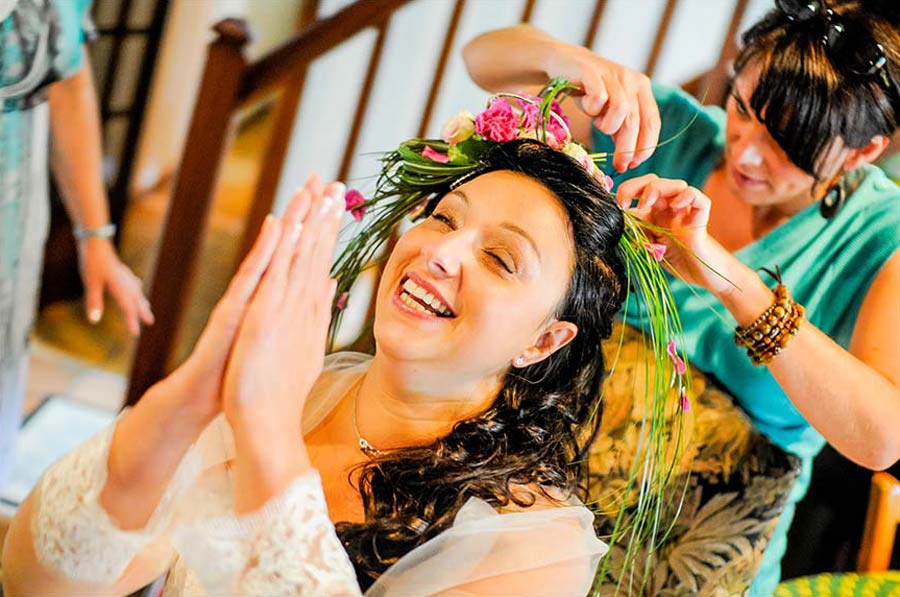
(414, 290)
(408, 300)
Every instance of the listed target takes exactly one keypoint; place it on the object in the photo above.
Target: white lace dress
(289, 546)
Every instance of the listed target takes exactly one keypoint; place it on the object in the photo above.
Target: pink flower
(355, 203)
(434, 156)
(557, 134)
(657, 250)
(459, 128)
(685, 401)
(342, 301)
(680, 367)
(555, 127)
(529, 111)
(606, 182)
(498, 122)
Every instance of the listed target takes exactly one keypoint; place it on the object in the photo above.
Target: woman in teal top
(47, 92)
(780, 178)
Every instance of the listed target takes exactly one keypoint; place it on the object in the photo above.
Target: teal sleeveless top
(828, 265)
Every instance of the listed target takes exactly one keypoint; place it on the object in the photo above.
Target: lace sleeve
(287, 547)
(73, 534)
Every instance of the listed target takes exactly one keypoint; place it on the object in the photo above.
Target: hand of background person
(691, 253)
(101, 270)
(618, 99)
(280, 348)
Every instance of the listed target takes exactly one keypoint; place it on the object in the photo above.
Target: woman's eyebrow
(459, 194)
(516, 230)
(506, 225)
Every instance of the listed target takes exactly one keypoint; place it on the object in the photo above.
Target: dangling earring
(833, 200)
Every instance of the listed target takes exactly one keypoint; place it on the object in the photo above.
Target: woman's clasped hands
(264, 344)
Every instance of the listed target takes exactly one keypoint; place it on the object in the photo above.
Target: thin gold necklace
(364, 445)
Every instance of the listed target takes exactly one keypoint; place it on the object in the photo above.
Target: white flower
(459, 128)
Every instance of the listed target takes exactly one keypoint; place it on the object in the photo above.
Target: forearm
(149, 443)
(76, 158)
(95, 521)
(853, 406)
(269, 457)
(509, 59)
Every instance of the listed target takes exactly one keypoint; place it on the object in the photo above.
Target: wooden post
(882, 518)
(660, 38)
(191, 198)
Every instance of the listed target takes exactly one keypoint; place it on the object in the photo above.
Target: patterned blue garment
(41, 43)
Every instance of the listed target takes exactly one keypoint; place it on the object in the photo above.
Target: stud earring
(520, 361)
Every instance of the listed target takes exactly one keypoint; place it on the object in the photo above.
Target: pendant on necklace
(368, 449)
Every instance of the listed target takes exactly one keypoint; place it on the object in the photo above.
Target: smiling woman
(433, 466)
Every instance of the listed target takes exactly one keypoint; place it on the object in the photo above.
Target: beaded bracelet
(774, 329)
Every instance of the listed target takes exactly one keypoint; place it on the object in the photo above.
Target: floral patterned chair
(734, 480)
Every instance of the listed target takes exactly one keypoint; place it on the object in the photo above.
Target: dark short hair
(805, 100)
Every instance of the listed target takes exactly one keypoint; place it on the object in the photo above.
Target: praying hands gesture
(280, 347)
(238, 360)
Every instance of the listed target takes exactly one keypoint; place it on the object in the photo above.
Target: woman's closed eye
(740, 106)
(502, 260)
(446, 219)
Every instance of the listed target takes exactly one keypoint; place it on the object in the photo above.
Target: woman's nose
(750, 155)
(445, 255)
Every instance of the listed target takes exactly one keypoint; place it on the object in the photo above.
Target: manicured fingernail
(295, 232)
(340, 189)
(327, 204)
(94, 315)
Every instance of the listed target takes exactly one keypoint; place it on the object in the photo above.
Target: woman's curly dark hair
(545, 415)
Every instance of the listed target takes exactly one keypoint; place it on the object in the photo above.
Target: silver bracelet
(82, 233)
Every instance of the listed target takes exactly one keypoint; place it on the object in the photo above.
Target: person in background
(785, 172)
(49, 111)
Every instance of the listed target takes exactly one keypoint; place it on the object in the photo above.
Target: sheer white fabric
(289, 546)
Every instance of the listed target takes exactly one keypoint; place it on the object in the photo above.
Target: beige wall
(180, 67)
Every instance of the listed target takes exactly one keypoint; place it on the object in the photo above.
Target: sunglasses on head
(849, 43)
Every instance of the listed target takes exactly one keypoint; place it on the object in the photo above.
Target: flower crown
(421, 170)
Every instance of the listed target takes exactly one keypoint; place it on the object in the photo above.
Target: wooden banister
(276, 149)
(191, 198)
(882, 518)
(661, 33)
(362, 103)
(591, 34)
(715, 84)
(266, 73)
(441, 66)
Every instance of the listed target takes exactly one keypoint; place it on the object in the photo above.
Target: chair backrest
(882, 519)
